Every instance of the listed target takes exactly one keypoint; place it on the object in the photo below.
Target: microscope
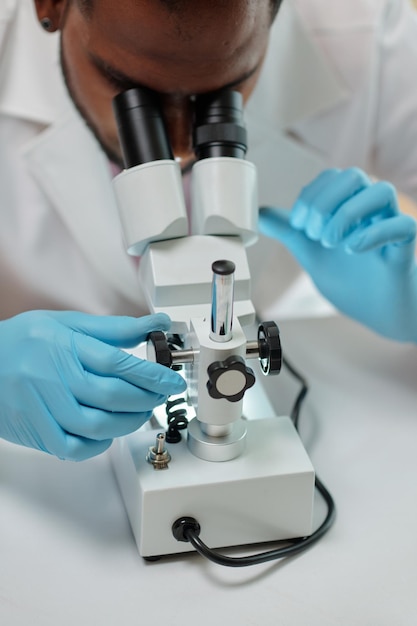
(241, 480)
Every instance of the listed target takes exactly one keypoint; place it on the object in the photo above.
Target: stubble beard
(113, 156)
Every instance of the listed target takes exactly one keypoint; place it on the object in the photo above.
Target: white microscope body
(244, 480)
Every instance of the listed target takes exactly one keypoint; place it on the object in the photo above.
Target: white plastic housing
(224, 196)
(176, 277)
(213, 411)
(151, 204)
(266, 494)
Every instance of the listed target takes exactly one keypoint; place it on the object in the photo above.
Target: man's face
(180, 54)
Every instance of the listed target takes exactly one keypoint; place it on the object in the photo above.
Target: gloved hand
(65, 386)
(349, 236)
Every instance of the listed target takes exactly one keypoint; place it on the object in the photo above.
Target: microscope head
(177, 250)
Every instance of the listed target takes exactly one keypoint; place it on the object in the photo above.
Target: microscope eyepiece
(219, 127)
(141, 127)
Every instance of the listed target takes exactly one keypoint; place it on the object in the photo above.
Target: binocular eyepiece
(219, 128)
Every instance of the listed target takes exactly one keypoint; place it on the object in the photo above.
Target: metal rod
(182, 356)
(252, 349)
(222, 300)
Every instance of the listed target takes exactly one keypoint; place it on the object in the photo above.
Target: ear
(51, 13)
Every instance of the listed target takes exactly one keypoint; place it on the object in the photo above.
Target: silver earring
(46, 23)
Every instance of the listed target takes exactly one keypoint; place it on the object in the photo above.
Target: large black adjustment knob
(269, 346)
(229, 379)
(158, 348)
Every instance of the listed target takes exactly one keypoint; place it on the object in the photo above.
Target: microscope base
(266, 494)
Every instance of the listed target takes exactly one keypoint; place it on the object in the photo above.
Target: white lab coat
(338, 88)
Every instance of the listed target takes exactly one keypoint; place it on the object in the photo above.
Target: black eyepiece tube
(219, 127)
(141, 128)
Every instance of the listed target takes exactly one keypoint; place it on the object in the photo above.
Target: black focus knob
(229, 379)
(269, 346)
(158, 348)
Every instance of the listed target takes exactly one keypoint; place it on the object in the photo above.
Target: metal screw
(158, 455)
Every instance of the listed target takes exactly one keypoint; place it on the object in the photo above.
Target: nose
(178, 115)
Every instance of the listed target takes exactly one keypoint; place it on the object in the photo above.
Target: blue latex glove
(65, 386)
(349, 235)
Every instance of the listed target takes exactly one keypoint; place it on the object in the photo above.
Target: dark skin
(203, 47)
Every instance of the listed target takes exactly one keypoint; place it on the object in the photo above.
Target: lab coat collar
(296, 81)
(72, 170)
(64, 158)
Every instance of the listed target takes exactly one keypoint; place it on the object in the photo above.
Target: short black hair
(86, 6)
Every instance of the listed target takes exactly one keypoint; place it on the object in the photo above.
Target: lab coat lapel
(64, 158)
(75, 175)
(295, 84)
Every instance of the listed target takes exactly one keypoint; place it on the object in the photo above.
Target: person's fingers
(105, 360)
(119, 331)
(95, 424)
(69, 430)
(330, 197)
(396, 237)
(80, 449)
(114, 394)
(54, 439)
(275, 223)
(301, 208)
(377, 202)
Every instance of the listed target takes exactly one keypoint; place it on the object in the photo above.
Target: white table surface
(67, 555)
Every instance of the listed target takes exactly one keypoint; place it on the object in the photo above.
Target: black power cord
(187, 529)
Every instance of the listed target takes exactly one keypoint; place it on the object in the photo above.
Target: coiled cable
(176, 418)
